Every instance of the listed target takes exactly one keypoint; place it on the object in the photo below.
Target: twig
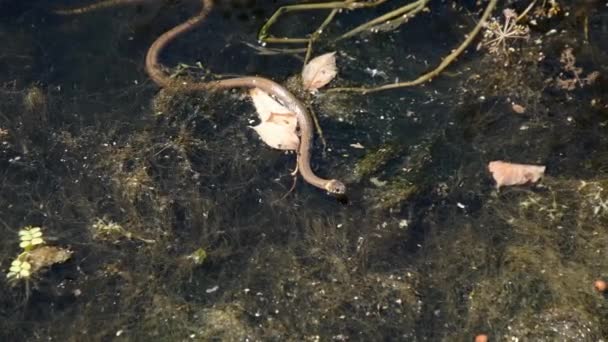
(407, 10)
(293, 187)
(98, 6)
(523, 14)
(318, 127)
(274, 51)
(315, 35)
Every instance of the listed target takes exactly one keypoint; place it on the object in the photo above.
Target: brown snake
(156, 73)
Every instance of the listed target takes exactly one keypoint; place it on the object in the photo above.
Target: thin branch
(98, 6)
(404, 10)
(318, 127)
(263, 35)
(315, 35)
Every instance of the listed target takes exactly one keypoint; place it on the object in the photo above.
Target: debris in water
(506, 174)
(319, 71)
(278, 124)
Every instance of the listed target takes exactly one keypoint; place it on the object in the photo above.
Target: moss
(373, 161)
(546, 270)
(394, 193)
(566, 324)
(35, 102)
(400, 175)
(294, 85)
(224, 324)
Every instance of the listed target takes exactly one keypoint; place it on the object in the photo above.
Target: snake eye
(336, 187)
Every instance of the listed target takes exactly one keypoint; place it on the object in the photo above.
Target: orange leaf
(506, 174)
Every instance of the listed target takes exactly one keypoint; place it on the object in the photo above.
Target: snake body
(155, 71)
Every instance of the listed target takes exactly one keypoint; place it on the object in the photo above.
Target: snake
(155, 71)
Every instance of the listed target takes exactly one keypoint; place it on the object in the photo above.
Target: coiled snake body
(156, 73)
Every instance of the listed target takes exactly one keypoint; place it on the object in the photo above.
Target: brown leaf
(506, 174)
(517, 108)
(319, 71)
(278, 124)
(46, 256)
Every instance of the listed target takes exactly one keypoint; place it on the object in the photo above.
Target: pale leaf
(277, 135)
(319, 71)
(506, 174)
(278, 124)
(288, 120)
(266, 105)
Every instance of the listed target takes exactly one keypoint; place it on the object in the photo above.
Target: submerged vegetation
(159, 215)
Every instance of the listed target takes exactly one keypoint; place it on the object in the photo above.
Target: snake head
(335, 187)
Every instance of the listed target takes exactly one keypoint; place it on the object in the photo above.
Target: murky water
(180, 222)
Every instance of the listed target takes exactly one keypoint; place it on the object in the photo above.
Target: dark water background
(425, 249)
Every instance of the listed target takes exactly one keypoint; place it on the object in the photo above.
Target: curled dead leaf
(47, 256)
(506, 174)
(278, 124)
(319, 71)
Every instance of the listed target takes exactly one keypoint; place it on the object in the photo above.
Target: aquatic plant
(35, 255)
(198, 257)
(103, 229)
(19, 269)
(30, 237)
(568, 61)
(497, 35)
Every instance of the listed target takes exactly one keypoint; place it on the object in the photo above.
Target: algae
(373, 161)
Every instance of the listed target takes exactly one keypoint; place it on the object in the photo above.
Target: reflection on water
(170, 220)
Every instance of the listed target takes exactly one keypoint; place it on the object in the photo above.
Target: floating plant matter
(35, 256)
(319, 71)
(506, 173)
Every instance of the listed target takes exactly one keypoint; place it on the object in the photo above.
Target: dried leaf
(277, 136)
(278, 125)
(266, 105)
(517, 108)
(319, 71)
(288, 120)
(506, 174)
(46, 256)
(592, 77)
